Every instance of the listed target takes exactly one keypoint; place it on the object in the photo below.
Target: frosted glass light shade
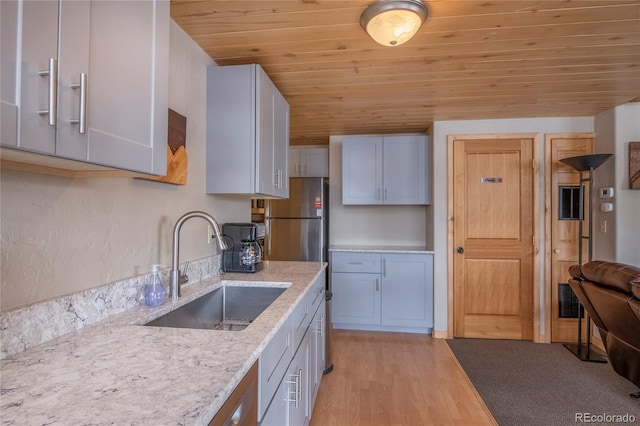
(393, 22)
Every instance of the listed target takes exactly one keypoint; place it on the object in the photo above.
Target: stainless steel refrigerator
(298, 229)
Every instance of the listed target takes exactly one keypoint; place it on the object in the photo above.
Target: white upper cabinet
(247, 133)
(87, 81)
(308, 161)
(385, 170)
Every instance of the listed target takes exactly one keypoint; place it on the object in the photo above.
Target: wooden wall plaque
(634, 165)
(177, 158)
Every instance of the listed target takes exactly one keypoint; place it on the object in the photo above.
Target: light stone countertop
(120, 372)
(380, 249)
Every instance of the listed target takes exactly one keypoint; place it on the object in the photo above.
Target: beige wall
(371, 225)
(621, 241)
(63, 235)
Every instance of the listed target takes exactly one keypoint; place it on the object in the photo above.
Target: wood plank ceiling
(472, 59)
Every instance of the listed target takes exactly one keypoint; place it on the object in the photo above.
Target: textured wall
(628, 200)
(63, 235)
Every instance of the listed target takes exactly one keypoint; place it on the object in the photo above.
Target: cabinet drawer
(356, 262)
(273, 363)
(317, 292)
(302, 318)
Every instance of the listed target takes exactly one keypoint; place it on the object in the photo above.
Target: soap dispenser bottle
(154, 292)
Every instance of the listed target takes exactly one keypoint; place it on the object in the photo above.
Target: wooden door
(493, 238)
(563, 227)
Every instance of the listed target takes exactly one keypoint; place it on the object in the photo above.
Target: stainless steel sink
(230, 308)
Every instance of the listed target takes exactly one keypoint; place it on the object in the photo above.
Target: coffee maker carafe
(250, 252)
(244, 253)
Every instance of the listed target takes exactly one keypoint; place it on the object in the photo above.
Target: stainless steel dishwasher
(241, 408)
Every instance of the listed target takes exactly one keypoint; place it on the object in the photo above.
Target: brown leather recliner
(610, 293)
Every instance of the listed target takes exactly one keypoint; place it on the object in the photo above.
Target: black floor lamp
(586, 163)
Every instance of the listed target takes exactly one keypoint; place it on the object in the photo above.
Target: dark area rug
(525, 383)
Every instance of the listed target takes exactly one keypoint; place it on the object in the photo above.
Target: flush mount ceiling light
(393, 22)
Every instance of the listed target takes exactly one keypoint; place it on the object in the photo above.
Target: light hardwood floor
(389, 379)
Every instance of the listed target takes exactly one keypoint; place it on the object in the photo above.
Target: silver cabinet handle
(82, 111)
(320, 330)
(297, 382)
(385, 194)
(378, 194)
(299, 397)
(278, 182)
(52, 73)
(377, 284)
(355, 263)
(384, 268)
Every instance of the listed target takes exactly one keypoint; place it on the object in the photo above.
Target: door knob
(460, 250)
(556, 251)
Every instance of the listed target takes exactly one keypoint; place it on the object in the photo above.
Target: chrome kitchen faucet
(174, 274)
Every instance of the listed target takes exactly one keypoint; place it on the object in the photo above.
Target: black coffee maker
(245, 251)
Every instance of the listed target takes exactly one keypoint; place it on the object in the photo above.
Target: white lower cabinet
(316, 353)
(356, 298)
(382, 291)
(286, 395)
(273, 363)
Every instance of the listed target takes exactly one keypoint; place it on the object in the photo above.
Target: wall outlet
(210, 234)
(606, 192)
(606, 207)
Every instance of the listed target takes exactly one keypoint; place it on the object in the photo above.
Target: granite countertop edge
(120, 372)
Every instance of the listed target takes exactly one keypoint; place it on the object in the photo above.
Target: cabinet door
(315, 162)
(298, 374)
(32, 45)
(278, 412)
(317, 354)
(128, 85)
(267, 179)
(295, 166)
(273, 364)
(362, 170)
(356, 298)
(407, 290)
(231, 116)
(73, 54)
(281, 144)
(9, 71)
(405, 176)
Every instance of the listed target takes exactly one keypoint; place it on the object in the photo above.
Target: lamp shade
(583, 163)
(393, 22)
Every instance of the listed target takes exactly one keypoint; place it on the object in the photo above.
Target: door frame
(534, 137)
(548, 137)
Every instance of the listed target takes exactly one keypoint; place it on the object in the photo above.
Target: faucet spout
(174, 274)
